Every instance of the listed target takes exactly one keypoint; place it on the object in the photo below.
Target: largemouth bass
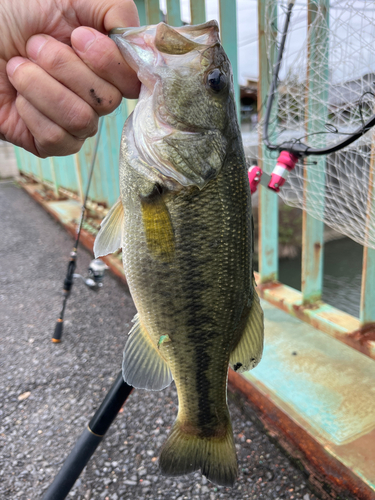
(184, 223)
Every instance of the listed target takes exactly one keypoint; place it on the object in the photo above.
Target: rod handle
(58, 331)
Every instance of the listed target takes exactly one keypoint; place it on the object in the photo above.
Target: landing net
(326, 90)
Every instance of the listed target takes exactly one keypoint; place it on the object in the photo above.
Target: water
(342, 274)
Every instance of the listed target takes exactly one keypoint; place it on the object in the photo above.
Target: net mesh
(326, 91)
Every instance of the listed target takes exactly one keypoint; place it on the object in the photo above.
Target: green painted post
(268, 201)
(40, 170)
(66, 172)
(54, 177)
(141, 7)
(99, 182)
(34, 165)
(78, 171)
(22, 160)
(46, 169)
(228, 34)
(197, 11)
(30, 162)
(314, 178)
(27, 158)
(17, 152)
(367, 310)
(108, 156)
(174, 13)
(152, 12)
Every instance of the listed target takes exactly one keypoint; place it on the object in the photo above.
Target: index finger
(103, 57)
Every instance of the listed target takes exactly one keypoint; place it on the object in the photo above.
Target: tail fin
(216, 456)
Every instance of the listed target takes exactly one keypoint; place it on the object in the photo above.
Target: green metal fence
(71, 174)
(306, 304)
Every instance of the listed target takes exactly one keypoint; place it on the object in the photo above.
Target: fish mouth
(137, 48)
(149, 50)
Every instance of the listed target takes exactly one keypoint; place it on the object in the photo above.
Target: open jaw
(149, 50)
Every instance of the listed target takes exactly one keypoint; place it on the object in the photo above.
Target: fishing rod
(97, 266)
(89, 440)
(291, 151)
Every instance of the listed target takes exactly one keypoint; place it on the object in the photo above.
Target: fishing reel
(96, 271)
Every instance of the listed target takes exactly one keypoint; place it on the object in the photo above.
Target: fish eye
(216, 80)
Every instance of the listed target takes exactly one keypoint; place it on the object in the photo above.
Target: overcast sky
(247, 31)
(348, 60)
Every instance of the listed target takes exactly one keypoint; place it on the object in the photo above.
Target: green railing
(71, 173)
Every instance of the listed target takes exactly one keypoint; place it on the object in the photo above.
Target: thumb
(106, 15)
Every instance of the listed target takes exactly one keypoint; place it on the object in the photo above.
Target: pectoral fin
(109, 238)
(158, 227)
(143, 365)
(248, 352)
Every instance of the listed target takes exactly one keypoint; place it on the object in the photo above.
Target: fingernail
(82, 38)
(34, 46)
(13, 64)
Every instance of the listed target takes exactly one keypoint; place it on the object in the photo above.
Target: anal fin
(143, 365)
(248, 352)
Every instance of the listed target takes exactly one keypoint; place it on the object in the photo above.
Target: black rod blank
(89, 440)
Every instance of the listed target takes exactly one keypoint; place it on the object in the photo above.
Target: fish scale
(187, 241)
(199, 279)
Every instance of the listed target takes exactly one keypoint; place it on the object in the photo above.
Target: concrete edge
(328, 475)
(321, 316)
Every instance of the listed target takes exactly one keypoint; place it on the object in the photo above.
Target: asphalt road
(50, 391)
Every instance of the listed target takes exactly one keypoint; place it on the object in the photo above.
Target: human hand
(51, 96)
